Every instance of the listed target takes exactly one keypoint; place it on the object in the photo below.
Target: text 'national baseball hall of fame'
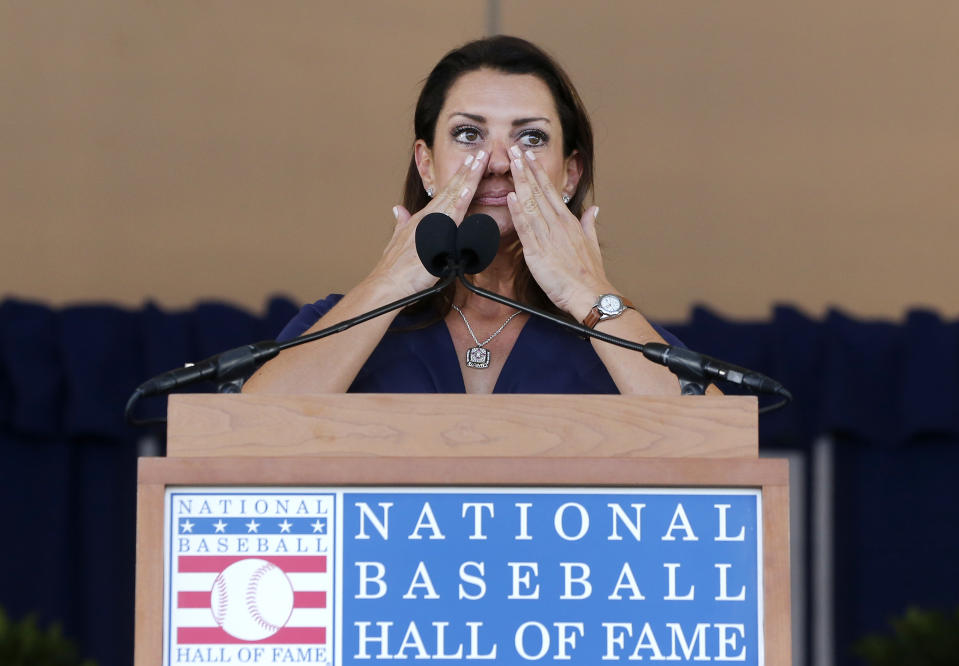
(349, 576)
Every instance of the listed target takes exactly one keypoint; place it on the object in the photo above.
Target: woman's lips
(497, 198)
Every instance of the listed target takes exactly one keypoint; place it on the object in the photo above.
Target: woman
(499, 130)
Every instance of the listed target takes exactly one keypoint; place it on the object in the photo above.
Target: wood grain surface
(204, 425)
(148, 608)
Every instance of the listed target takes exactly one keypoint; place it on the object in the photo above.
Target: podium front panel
(348, 561)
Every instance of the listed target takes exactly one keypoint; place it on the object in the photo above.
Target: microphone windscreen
(436, 242)
(477, 242)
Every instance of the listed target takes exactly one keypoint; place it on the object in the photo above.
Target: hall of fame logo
(249, 577)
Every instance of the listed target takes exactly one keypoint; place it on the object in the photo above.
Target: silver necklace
(479, 356)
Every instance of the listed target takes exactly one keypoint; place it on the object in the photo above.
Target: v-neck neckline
(507, 364)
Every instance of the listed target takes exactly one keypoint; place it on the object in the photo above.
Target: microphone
(477, 242)
(435, 237)
(478, 238)
(470, 248)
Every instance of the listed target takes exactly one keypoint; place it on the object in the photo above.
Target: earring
(566, 198)
(429, 191)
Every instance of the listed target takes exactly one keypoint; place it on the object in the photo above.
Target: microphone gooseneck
(694, 370)
(436, 247)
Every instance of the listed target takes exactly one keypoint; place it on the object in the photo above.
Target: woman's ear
(424, 162)
(574, 171)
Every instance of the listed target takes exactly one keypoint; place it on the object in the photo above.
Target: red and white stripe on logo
(193, 615)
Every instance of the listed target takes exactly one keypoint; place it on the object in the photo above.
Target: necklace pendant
(477, 357)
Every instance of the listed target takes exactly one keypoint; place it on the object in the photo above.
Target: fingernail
(477, 163)
(396, 212)
(481, 154)
(515, 151)
(464, 193)
(511, 196)
(595, 213)
(519, 164)
(530, 155)
(469, 158)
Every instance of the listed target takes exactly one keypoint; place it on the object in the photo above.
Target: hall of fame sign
(351, 576)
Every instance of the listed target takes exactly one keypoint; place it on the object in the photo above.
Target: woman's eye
(467, 134)
(533, 139)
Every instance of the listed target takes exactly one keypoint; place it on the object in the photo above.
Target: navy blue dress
(545, 358)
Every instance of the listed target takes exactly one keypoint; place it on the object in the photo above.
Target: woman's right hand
(400, 266)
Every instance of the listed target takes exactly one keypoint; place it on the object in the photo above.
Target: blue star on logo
(252, 526)
(186, 526)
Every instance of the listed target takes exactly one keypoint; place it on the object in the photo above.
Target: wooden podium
(458, 440)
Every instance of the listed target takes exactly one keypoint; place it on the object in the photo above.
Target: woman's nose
(499, 159)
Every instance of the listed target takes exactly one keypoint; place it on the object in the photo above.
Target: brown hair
(511, 55)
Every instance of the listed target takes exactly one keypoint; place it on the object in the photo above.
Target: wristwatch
(608, 306)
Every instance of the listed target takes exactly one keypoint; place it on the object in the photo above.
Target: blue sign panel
(578, 577)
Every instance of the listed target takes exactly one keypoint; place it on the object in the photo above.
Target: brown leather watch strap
(592, 318)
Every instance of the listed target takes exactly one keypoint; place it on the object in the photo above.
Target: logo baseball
(252, 599)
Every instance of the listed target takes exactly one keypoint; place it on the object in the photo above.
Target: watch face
(610, 304)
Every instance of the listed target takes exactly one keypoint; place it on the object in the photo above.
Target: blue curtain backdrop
(888, 394)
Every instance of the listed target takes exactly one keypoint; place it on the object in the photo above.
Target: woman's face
(492, 111)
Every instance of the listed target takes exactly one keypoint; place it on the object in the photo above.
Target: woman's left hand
(562, 252)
